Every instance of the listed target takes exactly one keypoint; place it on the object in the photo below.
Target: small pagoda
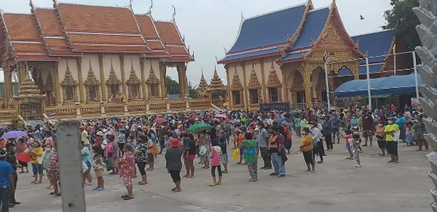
(30, 101)
(217, 87)
(202, 90)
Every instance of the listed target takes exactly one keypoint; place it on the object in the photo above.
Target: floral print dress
(54, 172)
(127, 164)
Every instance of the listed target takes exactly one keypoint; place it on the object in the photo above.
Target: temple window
(154, 90)
(134, 91)
(69, 85)
(93, 93)
(274, 96)
(253, 93)
(114, 89)
(69, 93)
(236, 97)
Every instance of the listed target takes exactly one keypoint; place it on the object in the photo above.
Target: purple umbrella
(13, 134)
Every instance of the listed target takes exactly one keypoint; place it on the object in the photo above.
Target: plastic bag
(235, 154)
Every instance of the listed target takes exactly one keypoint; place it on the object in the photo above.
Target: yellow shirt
(37, 159)
(388, 128)
(305, 140)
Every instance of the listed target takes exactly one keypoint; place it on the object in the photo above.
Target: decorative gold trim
(273, 80)
(56, 79)
(133, 79)
(68, 79)
(253, 81)
(123, 76)
(236, 83)
(102, 78)
(143, 78)
(91, 79)
(49, 82)
(80, 77)
(152, 80)
(112, 80)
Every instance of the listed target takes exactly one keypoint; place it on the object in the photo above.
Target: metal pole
(394, 65)
(415, 75)
(68, 147)
(368, 83)
(327, 85)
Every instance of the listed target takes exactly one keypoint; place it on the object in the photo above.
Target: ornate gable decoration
(152, 80)
(203, 85)
(253, 80)
(133, 79)
(112, 80)
(68, 79)
(216, 82)
(273, 81)
(236, 83)
(91, 79)
(49, 82)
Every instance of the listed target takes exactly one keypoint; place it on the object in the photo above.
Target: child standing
(99, 168)
(356, 144)
(216, 157)
(349, 141)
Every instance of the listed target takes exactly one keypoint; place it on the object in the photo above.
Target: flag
(51, 116)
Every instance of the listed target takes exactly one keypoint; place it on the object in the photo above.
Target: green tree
(403, 21)
(172, 86)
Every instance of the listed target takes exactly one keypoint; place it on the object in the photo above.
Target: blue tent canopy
(381, 86)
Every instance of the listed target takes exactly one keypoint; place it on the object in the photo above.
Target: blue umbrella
(13, 134)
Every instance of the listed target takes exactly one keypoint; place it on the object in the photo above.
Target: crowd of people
(126, 146)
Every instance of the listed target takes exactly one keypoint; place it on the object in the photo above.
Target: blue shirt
(122, 138)
(5, 170)
(335, 123)
(401, 121)
(85, 157)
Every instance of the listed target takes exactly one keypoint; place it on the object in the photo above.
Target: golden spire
(133, 79)
(216, 81)
(203, 84)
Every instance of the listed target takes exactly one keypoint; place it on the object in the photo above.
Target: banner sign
(283, 106)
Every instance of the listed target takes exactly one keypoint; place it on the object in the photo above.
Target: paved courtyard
(337, 186)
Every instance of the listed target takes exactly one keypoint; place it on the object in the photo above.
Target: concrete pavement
(337, 186)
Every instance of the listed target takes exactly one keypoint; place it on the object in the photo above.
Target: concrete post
(68, 147)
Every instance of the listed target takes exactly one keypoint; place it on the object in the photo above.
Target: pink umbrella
(159, 120)
(221, 116)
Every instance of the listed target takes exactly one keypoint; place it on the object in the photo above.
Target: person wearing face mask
(262, 138)
(316, 133)
(392, 132)
(12, 159)
(380, 137)
(306, 148)
(46, 162)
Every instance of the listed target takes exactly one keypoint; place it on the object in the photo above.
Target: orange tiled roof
(25, 38)
(21, 27)
(101, 25)
(106, 48)
(51, 30)
(49, 22)
(169, 33)
(147, 26)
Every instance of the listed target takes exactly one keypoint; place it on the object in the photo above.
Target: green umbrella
(199, 127)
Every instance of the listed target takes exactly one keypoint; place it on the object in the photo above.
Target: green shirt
(250, 148)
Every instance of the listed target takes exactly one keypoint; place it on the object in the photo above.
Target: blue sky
(211, 25)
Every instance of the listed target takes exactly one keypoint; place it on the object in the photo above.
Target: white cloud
(210, 25)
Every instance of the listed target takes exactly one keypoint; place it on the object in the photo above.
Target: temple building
(216, 91)
(279, 57)
(88, 60)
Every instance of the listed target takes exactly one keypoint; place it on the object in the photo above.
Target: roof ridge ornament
(174, 14)
(150, 8)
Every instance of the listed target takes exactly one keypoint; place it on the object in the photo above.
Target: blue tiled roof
(373, 68)
(375, 44)
(293, 56)
(313, 26)
(269, 29)
(250, 54)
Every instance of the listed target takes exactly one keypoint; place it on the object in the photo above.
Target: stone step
(432, 140)
(433, 178)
